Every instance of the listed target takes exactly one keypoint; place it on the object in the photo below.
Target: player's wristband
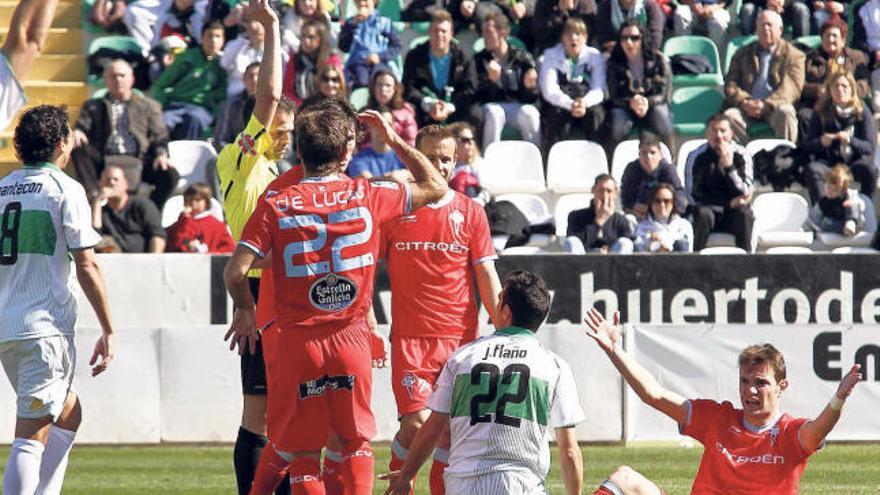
(836, 403)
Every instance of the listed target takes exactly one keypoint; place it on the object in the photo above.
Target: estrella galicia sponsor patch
(333, 293)
(316, 388)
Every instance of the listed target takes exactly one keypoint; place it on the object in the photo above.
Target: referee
(246, 166)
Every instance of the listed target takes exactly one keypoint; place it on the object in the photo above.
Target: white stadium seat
(779, 220)
(789, 250)
(572, 166)
(723, 250)
(626, 152)
(565, 205)
(195, 162)
(512, 167)
(174, 205)
(522, 250)
(686, 149)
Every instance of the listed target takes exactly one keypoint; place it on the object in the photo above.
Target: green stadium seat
(480, 44)
(390, 9)
(359, 97)
(733, 45)
(418, 40)
(810, 42)
(760, 130)
(420, 27)
(692, 106)
(696, 45)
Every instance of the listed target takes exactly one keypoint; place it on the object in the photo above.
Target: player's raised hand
(375, 120)
(601, 330)
(397, 485)
(103, 354)
(378, 350)
(848, 383)
(243, 331)
(262, 12)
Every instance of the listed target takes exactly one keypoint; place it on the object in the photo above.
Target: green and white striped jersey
(44, 214)
(505, 393)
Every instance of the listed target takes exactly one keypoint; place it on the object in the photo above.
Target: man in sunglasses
(434, 255)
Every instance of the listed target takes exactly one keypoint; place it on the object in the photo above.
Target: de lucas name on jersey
(321, 199)
(501, 351)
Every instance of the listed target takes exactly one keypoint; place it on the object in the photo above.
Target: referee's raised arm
(269, 78)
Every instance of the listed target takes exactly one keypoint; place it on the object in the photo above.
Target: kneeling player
(731, 436)
(434, 256)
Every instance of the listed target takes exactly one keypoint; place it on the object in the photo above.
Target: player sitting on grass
(756, 449)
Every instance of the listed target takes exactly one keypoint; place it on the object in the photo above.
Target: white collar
(445, 200)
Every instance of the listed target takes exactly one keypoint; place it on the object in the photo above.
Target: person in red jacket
(197, 230)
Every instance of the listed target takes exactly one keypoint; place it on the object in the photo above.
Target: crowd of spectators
(548, 70)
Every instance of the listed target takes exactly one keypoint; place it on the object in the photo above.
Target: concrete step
(61, 41)
(72, 112)
(68, 14)
(71, 94)
(59, 68)
(8, 166)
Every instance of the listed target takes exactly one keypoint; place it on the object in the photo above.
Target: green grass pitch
(150, 470)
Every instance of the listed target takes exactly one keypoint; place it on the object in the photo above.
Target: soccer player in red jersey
(323, 234)
(434, 256)
(756, 449)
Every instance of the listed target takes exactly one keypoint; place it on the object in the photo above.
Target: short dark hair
(719, 117)
(528, 298)
(286, 105)
(761, 354)
(602, 178)
(198, 190)
(440, 15)
(648, 138)
(39, 132)
(500, 20)
(215, 24)
(434, 131)
(323, 128)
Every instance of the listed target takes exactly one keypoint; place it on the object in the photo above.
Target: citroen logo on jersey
(413, 385)
(456, 219)
(246, 144)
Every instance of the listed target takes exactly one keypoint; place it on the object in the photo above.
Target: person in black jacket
(599, 228)
(641, 176)
(721, 188)
(841, 131)
(611, 14)
(639, 86)
(508, 84)
(439, 78)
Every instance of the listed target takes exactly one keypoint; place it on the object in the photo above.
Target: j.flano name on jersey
(500, 351)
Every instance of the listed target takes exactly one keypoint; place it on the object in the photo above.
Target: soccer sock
(357, 468)
(441, 460)
(305, 477)
(54, 463)
(608, 487)
(271, 470)
(332, 473)
(23, 467)
(246, 456)
(399, 454)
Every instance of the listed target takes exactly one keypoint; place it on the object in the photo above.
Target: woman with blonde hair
(841, 131)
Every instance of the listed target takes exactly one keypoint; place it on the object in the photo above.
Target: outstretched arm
(91, 279)
(489, 287)
(27, 34)
(570, 461)
(400, 482)
(608, 337)
(813, 433)
(269, 78)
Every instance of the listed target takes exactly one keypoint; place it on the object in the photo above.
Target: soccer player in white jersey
(503, 396)
(44, 220)
(28, 30)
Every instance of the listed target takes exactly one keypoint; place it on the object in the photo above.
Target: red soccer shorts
(319, 381)
(415, 366)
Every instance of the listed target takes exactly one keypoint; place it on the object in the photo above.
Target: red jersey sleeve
(702, 416)
(257, 233)
(387, 200)
(792, 434)
(481, 247)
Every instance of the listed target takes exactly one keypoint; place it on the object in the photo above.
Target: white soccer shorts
(12, 96)
(41, 373)
(497, 483)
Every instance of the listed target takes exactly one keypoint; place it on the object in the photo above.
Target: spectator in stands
(149, 21)
(314, 51)
(837, 211)
(230, 13)
(823, 11)
(550, 18)
(472, 13)
(133, 223)
(866, 37)
(330, 82)
(369, 39)
(386, 94)
(295, 17)
(663, 230)
(642, 175)
(377, 159)
(832, 55)
(107, 14)
(721, 186)
(639, 87)
(841, 131)
(237, 109)
(709, 17)
(572, 80)
(440, 79)
(599, 228)
(420, 10)
(197, 230)
(769, 93)
(795, 13)
(467, 153)
(241, 52)
(611, 14)
(162, 55)
(124, 128)
(507, 84)
(193, 87)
